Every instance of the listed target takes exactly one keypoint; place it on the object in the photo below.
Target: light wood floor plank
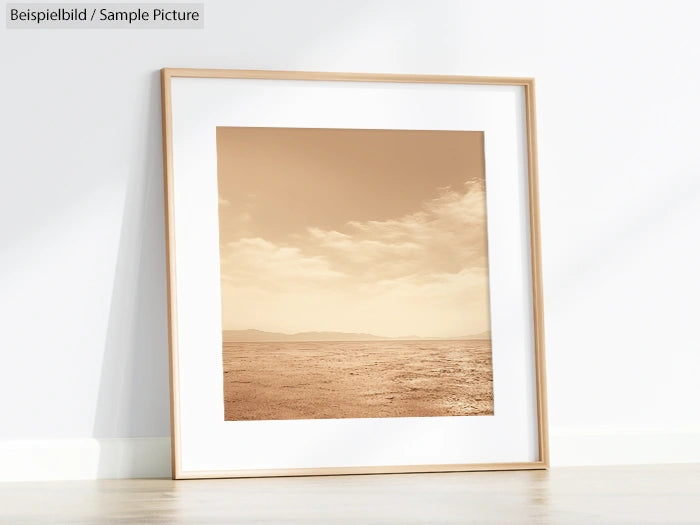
(618, 495)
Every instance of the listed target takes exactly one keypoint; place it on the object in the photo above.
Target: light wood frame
(167, 74)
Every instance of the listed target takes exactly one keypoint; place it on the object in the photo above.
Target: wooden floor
(632, 495)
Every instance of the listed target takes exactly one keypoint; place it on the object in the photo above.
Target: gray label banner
(105, 16)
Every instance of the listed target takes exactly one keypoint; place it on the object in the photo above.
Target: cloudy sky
(372, 231)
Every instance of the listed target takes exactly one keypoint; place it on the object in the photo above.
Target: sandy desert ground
(334, 379)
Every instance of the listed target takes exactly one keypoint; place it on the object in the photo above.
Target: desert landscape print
(354, 273)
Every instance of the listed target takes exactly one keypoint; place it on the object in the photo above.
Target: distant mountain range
(252, 336)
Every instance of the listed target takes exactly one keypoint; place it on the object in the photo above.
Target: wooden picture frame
(197, 102)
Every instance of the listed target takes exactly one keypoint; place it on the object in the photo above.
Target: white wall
(83, 348)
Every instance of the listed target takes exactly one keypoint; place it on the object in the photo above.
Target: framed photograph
(354, 280)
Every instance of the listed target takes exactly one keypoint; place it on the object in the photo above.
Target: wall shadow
(133, 399)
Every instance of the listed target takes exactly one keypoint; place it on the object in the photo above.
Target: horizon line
(411, 337)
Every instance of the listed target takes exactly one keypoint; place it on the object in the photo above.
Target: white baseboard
(69, 459)
(623, 447)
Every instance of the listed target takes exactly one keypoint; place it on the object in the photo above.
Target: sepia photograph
(354, 273)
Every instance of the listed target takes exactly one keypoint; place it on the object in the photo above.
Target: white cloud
(447, 234)
(257, 262)
(424, 273)
(444, 305)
